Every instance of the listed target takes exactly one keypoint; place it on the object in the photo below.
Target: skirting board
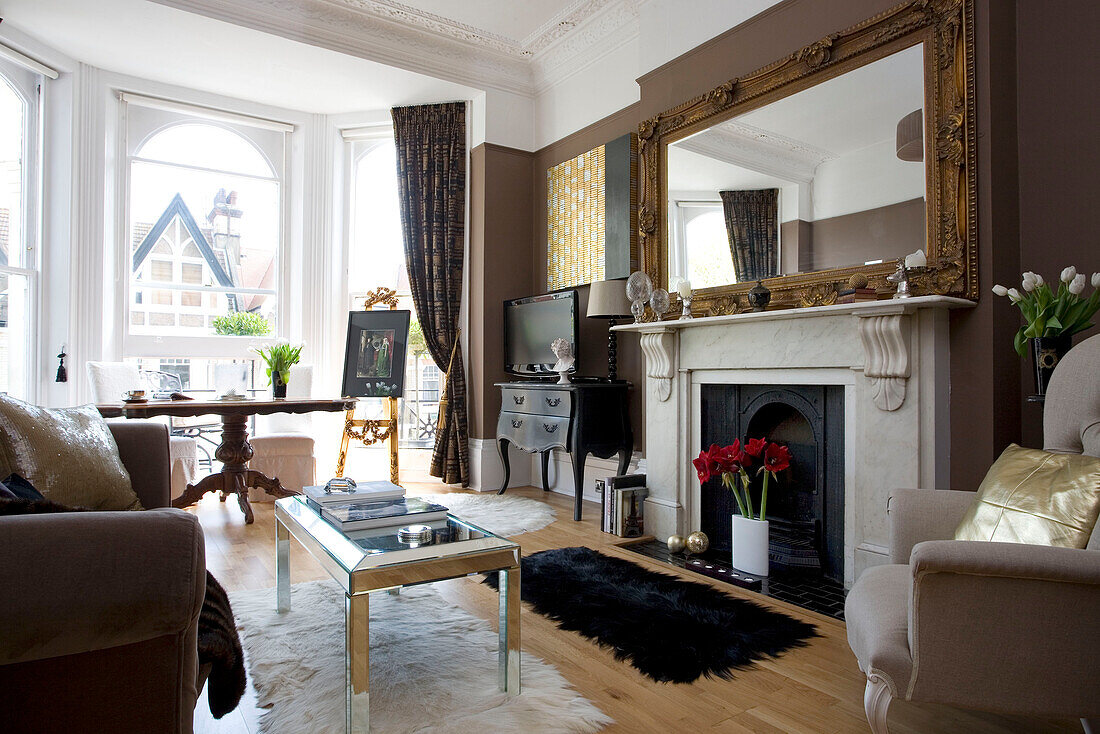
(486, 471)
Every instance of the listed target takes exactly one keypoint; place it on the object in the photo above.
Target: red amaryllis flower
(755, 446)
(776, 458)
(706, 465)
(730, 458)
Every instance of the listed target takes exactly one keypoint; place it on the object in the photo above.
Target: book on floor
(611, 508)
(360, 515)
(628, 512)
(371, 491)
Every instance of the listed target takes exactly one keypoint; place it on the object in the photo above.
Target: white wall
(585, 96)
(665, 29)
(865, 179)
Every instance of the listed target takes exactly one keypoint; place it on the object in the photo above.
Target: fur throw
(219, 643)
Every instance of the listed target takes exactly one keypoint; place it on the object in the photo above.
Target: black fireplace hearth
(806, 505)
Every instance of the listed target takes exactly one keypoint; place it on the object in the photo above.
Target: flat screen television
(530, 324)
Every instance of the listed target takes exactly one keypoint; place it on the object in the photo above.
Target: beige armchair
(101, 609)
(1002, 627)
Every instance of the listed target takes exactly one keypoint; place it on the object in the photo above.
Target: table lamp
(607, 300)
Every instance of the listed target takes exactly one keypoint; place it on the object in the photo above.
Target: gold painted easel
(371, 431)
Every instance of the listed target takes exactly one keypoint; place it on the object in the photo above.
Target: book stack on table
(371, 505)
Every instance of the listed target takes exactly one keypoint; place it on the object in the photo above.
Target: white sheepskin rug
(499, 514)
(433, 668)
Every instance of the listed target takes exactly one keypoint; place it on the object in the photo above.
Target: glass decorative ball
(676, 543)
(697, 542)
(659, 302)
(638, 286)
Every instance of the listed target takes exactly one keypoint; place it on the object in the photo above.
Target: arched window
(18, 217)
(205, 220)
(701, 250)
(376, 257)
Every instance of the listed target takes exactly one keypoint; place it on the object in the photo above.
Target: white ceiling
(851, 111)
(159, 43)
(689, 171)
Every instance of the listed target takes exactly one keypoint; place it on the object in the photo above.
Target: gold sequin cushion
(69, 455)
(1032, 496)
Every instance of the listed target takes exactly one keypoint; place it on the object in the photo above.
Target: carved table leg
(502, 449)
(624, 459)
(546, 470)
(578, 481)
(194, 492)
(234, 453)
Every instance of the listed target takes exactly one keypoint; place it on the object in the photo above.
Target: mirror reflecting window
(830, 177)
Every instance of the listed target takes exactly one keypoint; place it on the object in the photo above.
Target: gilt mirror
(835, 161)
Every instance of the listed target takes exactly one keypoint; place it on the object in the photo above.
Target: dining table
(234, 451)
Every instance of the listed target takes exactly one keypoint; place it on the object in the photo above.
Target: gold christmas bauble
(697, 542)
(676, 543)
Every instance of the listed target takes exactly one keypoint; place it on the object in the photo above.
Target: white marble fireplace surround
(890, 356)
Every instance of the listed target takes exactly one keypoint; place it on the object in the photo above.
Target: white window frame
(358, 143)
(28, 85)
(146, 346)
(683, 210)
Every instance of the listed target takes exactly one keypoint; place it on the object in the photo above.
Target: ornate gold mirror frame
(947, 30)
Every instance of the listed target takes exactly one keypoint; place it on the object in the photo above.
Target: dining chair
(109, 380)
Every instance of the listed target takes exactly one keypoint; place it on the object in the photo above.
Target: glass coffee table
(363, 561)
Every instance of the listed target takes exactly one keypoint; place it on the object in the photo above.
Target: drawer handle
(553, 402)
(519, 399)
(516, 424)
(550, 427)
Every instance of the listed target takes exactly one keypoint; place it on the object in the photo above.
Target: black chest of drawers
(580, 417)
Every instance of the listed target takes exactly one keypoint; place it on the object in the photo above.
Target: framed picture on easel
(374, 360)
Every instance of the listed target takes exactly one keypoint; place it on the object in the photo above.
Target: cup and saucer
(135, 396)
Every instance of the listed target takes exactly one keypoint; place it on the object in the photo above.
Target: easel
(371, 431)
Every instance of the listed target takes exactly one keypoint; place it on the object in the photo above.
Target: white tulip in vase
(732, 463)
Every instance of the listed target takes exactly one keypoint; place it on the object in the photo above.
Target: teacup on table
(132, 395)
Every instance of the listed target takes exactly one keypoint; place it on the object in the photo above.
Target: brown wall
(885, 233)
(1059, 151)
(1037, 158)
(500, 268)
(592, 346)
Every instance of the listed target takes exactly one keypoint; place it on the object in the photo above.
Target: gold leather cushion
(1033, 496)
(69, 455)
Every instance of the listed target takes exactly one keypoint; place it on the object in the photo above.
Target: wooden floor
(813, 689)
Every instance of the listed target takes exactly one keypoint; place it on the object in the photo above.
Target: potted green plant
(750, 531)
(279, 357)
(1052, 318)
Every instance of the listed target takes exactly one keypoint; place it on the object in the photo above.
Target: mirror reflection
(832, 176)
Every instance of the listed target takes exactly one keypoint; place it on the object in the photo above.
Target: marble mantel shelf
(883, 332)
(865, 308)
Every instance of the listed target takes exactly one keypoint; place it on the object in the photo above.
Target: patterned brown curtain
(752, 223)
(431, 178)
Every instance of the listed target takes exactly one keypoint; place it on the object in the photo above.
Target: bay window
(205, 222)
(19, 260)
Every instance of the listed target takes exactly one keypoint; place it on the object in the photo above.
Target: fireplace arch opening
(805, 504)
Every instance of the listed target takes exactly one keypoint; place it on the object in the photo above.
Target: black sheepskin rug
(669, 629)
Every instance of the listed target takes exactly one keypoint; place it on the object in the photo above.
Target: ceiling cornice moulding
(337, 27)
(399, 35)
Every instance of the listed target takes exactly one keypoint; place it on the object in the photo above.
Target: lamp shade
(910, 137)
(607, 299)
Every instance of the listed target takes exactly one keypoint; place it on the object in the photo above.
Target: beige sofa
(100, 610)
(997, 626)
